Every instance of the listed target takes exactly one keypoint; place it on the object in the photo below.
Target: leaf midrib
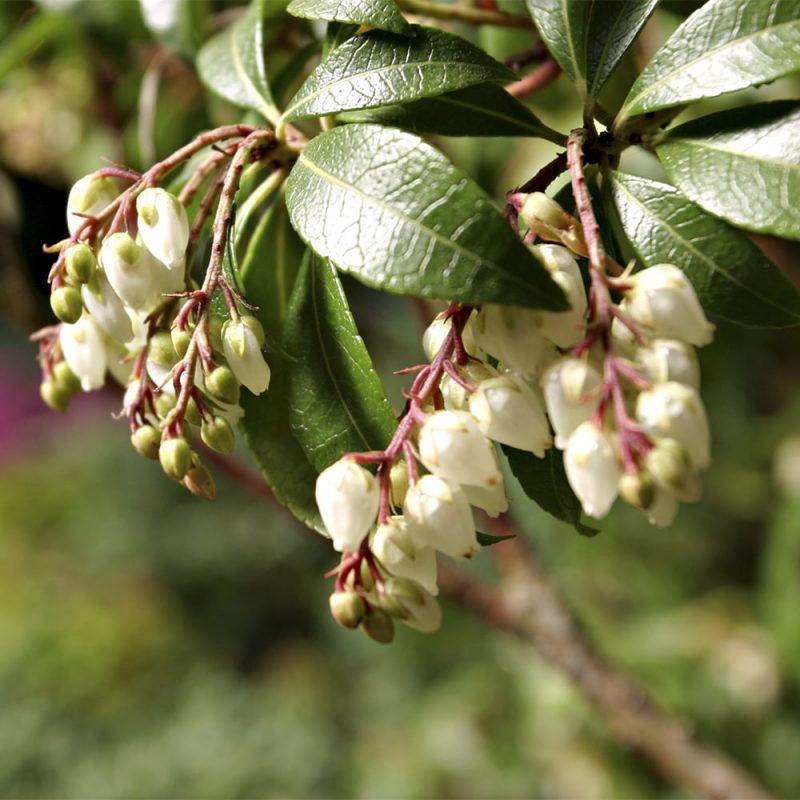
(389, 67)
(713, 264)
(623, 114)
(394, 211)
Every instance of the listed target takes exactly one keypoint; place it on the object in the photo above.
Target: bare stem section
(528, 605)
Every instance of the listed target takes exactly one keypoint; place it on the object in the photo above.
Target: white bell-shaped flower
(347, 497)
(508, 411)
(118, 361)
(663, 510)
(493, 501)
(423, 612)
(564, 328)
(436, 333)
(675, 411)
(84, 352)
(392, 545)
(438, 515)
(165, 280)
(452, 446)
(670, 360)
(106, 308)
(455, 396)
(241, 343)
(571, 393)
(88, 197)
(512, 335)
(163, 226)
(592, 469)
(129, 269)
(664, 303)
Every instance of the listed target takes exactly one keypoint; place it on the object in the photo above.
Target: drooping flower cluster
(128, 307)
(612, 384)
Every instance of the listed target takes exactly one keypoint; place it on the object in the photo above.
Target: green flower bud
(347, 608)
(67, 304)
(398, 481)
(146, 441)
(161, 350)
(180, 341)
(66, 378)
(218, 435)
(199, 482)
(637, 490)
(378, 626)
(55, 395)
(257, 328)
(175, 456)
(165, 402)
(668, 462)
(192, 414)
(222, 385)
(538, 207)
(80, 263)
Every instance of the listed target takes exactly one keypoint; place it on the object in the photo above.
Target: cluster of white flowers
(622, 404)
(120, 289)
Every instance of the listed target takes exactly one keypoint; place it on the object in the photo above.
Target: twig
(473, 16)
(535, 80)
(527, 605)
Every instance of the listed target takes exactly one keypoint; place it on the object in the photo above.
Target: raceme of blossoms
(612, 382)
(129, 307)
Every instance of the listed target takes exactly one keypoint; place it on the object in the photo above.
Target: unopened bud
(89, 197)
(55, 395)
(637, 490)
(347, 608)
(398, 483)
(538, 207)
(175, 456)
(80, 263)
(180, 341)
(146, 441)
(242, 342)
(160, 349)
(163, 225)
(669, 463)
(67, 304)
(192, 414)
(66, 378)
(378, 625)
(165, 402)
(199, 482)
(218, 435)
(222, 385)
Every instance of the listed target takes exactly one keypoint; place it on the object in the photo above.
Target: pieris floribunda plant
(564, 356)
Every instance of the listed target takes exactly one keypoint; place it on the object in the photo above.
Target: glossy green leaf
(380, 68)
(545, 482)
(564, 27)
(486, 110)
(732, 277)
(267, 270)
(338, 403)
(612, 28)
(742, 165)
(724, 46)
(231, 63)
(381, 14)
(393, 211)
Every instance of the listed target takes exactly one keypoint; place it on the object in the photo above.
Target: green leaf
(612, 28)
(486, 110)
(545, 482)
(338, 403)
(731, 276)
(381, 14)
(724, 46)
(487, 540)
(231, 63)
(393, 211)
(267, 273)
(757, 150)
(269, 267)
(564, 26)
(380, 68)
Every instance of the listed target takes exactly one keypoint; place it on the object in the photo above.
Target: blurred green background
(155, 645)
